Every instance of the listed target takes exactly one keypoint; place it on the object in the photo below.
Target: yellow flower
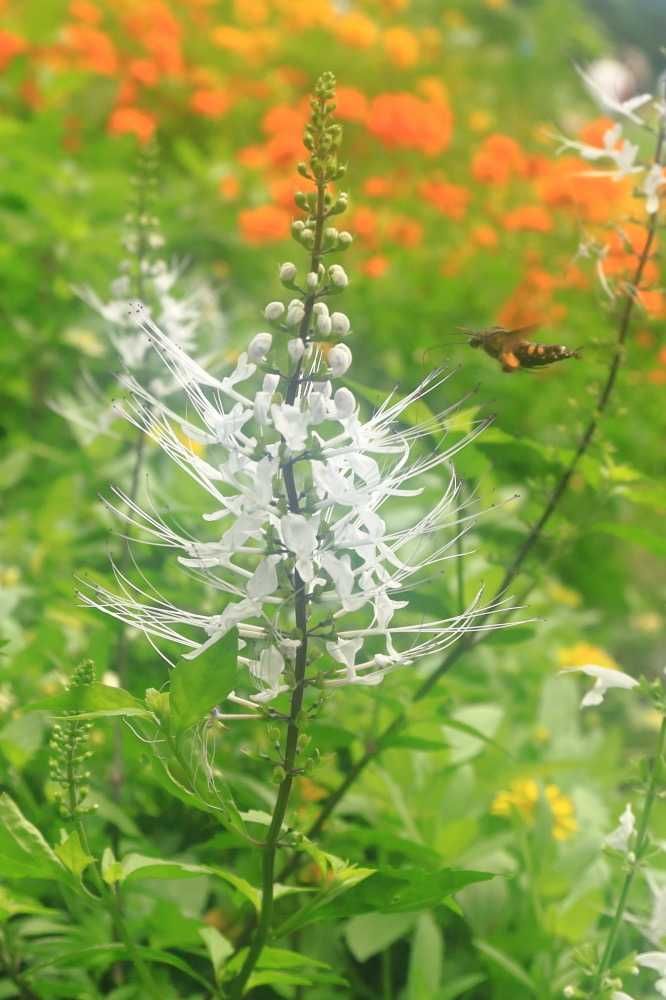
(402, 47)
(522, 798)
(582, 653)
(9, 576)
(194, 446)
(479, 121)
(560, 594)
(562, 811)
(355, 29)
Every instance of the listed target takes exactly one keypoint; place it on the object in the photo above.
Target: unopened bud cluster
(70, 752)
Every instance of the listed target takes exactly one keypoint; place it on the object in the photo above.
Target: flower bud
(295, 313)
(338, 276)
(297, 227)
(262, 407)
(287, 272)
(307, 238)
(271, 382)
(323, 324)
(345, 239)
(320, 309)
(339, 359)
(259, 347)
(344, 402)
(340, 324)
(311, 281)
(331, 235)
(273, 311)
(296, 349)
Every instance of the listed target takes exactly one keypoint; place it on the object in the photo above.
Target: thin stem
(271, 843)
(471, 639)
(641, 843)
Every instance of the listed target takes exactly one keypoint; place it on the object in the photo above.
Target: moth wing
(513, 338)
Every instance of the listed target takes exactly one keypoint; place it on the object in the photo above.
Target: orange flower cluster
(498, 160)
(404, 121)
(534, 218)
(10, 46)
(264, 224)
(622, 249)
(449, 199)
(532, 300)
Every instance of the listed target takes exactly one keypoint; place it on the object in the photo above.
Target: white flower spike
(619, 839)
(605, 679)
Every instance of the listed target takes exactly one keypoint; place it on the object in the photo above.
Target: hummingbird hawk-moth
(514, 350)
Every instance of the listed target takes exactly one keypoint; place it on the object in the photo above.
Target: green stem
(642, 832)
(271, 843)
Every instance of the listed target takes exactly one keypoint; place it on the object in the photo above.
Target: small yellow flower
(522, 797)
(194, 446)
(562, 810)
(9, 576)
(479, 121)
(582, 653)
(496, 4)
(560, 594)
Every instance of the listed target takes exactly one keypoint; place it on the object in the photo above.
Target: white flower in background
(605, 679)
(619, 839)
(619, 995)
(333, 529)
(653, 181)
(605, 91)
(620, 151)
(656, 928)
(181, 317)
(655, 960)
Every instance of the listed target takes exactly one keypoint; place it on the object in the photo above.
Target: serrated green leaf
(24, 853)
(72, 854)
(93, 701)
(200, 684)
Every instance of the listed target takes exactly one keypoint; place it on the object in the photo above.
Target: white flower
(296, 348)
(620, 995)
(619, 839)
(287, 272)
(656, 929)
(339, 359)
(340, 324)
(655, 960)
(622, 152)
(274, 310)
(605, 679)
(344, 403)
(259, 347)
(329, 530)
(653, 181)
(612, 103)
(323, 325)
(345, 239)
(311, 281)
(338, 276)
(295, 313)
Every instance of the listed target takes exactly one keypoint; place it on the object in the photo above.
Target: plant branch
(641, 844)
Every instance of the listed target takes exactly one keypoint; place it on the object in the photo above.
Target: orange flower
(252, 12)
(83, 10)
(144, 71)
(657, 376)
(404, 121)
(644, 338)
(355, 29)
(405, 231)
(593, 199)
(10, 45)
(211, 103)
(449, 199)
(402, 47)
(534, 218)
(264, 224)
(283, 189)
(229, 187)
(378, 187)
(132, 121)
(285, 118)
(364, 223)
(652, 301)
(350, 104)
(593, 132)
(498, 159)
(95, 50)
(252, 157)
(254, 45)
(375, 267)
(661, 357)
(485, 236)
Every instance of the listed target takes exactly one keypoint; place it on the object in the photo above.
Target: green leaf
(482, 722)
(425, 959)
(112, 870)
(656, 544)
(72, 854)
(510, 967)
(242, 885)
(371, 933)
(460, 985)
(138, 866)
(21, 738)
(24, 853)
(386, 891)
(93, 701)
(12, 904)
(217, 946)
(198, 685)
